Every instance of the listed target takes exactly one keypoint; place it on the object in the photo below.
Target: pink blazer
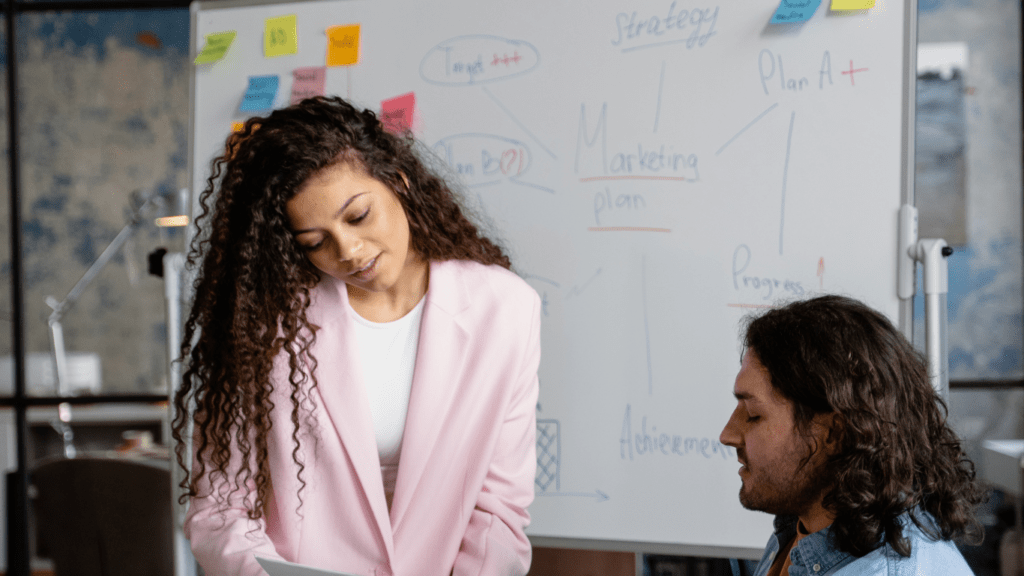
(468, 459)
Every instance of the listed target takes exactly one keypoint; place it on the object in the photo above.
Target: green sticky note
(280, 36)
(216, 46)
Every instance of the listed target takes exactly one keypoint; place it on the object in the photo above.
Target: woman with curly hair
(361, 365)
(843, 438)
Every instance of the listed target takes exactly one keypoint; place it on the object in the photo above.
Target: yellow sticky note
(852, 4)
(280, 36)
(343, 45)
(237, 126)
(216, 46)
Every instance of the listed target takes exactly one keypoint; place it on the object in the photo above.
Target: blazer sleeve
(495, 543)
(224, 540)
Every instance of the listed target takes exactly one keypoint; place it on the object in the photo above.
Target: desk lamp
(169, 208)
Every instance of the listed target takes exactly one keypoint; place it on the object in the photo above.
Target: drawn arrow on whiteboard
(601, 496)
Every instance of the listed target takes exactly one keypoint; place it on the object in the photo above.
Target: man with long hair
(841, 437)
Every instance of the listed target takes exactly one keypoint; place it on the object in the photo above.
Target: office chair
(105, 516)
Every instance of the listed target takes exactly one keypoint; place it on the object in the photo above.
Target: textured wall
(985, 300)
(104, 109)
(985, 291)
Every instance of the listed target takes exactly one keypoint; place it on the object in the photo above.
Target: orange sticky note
(343, 45)
(852, 4)
(237, 126)
(397, 112)
(280, 36)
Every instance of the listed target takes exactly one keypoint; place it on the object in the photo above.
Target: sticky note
(396, 113)
(795, 11)
(237, 126)
(280, 36)
(343, 45)
(852, 4)
(307, 82)
(261, 93)
(216, 47)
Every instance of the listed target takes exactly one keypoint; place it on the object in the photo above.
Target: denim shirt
(814, 555)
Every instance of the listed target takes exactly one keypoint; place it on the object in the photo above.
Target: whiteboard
(657, 169)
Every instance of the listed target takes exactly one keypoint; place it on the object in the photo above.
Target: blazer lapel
(345, 402)
(440, 359)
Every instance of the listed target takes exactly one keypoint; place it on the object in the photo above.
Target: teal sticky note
(261, 93)
(795, 11)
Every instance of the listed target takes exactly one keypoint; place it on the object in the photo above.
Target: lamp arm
(60, 308)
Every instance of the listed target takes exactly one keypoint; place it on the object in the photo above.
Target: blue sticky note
(261, 93)
(795, 11)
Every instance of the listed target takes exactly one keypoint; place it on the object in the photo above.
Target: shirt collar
(814, 555)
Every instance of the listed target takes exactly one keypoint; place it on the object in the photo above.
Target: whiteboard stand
(932, 254)
(173, 271)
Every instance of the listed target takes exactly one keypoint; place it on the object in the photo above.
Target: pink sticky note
(397, 112)
(307, 82)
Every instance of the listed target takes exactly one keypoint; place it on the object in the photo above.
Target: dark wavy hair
(895, 452)
(253, 281)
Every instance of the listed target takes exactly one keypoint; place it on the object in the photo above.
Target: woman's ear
(404, 179)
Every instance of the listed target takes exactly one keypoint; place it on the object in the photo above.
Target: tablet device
(283, 568)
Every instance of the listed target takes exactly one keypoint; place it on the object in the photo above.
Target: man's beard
(785, 488)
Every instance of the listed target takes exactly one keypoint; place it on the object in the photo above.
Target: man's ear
(831, 425)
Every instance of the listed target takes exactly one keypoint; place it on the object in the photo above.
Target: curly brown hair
(895, 452)
(253, 281)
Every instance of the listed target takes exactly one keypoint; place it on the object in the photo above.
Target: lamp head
(172, 208)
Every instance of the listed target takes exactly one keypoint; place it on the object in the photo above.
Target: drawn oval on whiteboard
(483, 159)
(476, 59)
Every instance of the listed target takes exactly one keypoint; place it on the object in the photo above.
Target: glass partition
(103, 144)
(969, 166)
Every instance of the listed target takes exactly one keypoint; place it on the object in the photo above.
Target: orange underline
(749, 305)
(626, 229)
(674, 178)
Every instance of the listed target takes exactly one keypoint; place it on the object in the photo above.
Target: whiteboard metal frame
(198, 5)
(670, 548)
(906, 319)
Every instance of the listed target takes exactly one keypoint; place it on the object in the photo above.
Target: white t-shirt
(388, 356)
